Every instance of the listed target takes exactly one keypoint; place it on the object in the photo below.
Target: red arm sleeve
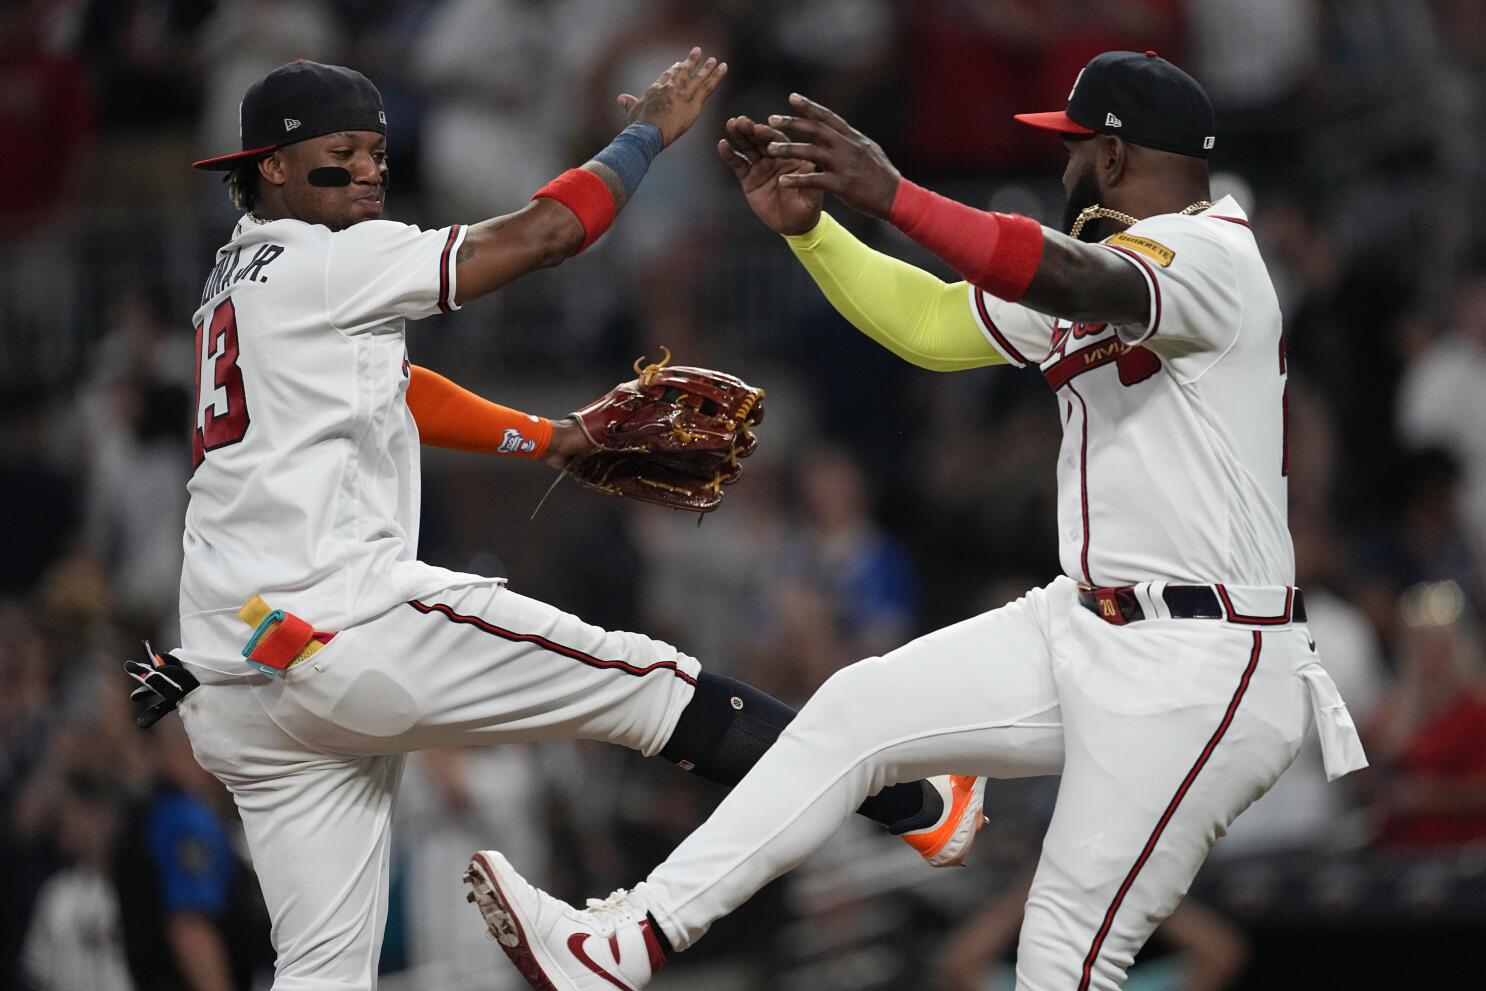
(450, 416)
(997, 252)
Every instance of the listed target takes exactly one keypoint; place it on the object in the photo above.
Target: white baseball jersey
(306, 491)
(306, 481)
(1164, 729)
(1173, 458)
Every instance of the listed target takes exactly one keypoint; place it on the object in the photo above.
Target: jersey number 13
(222, 411)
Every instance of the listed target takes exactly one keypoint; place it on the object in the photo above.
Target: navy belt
(1120, 605)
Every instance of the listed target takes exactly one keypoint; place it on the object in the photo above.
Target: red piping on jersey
(553, 646)
(444, 269)
(1176, 800)
(1285, 431)
(1150, 274)
(1284, 413)
(1083, 479)
(1234, 616)
(1232, 220)
(985, 315)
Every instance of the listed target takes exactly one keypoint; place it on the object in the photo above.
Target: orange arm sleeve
(450, 416)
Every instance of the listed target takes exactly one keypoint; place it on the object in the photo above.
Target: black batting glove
(163, 682)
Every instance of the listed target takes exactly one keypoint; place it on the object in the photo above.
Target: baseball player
(1167, 674)
(323, 649)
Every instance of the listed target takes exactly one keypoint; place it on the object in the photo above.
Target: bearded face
(1083, 194)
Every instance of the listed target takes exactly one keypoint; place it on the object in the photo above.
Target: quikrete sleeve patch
(1154, 250)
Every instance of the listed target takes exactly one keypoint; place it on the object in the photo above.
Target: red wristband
(997, 252)
(587, 196)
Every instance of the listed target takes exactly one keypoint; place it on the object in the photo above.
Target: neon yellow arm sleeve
(908, 311)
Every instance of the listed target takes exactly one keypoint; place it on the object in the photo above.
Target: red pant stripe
(1176, 800)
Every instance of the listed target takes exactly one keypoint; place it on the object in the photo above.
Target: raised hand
(848, 164)
(784, 209)
(674, 101)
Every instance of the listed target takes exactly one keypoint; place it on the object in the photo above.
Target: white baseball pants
(1164, 730)
(313, 758)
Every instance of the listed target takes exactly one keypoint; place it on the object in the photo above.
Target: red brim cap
(225, 163)
(1054, 120)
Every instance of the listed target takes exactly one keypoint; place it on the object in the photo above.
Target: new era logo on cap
(301, 100)
(1139, 96)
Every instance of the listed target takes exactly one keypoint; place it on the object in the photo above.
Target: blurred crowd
(885, 501)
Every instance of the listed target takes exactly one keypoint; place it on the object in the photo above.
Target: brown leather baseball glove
(673, 436)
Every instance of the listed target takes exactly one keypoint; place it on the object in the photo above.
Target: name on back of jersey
(227, 273)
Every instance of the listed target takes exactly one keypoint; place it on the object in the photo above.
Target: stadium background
(884, 501)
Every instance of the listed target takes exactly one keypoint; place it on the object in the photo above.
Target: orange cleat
(946, 843)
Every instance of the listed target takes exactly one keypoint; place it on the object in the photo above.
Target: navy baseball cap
(1140, 97)
(301, 100)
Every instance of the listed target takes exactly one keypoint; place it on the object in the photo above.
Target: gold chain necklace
(1097, 211)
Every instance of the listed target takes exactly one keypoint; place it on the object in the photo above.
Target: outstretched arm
(1008, 256)
(912, 313)
(452, 417)
(570, 212)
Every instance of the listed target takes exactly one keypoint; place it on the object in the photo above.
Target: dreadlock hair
(242, 185)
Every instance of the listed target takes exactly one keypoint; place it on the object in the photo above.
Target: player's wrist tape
(453, 417)
(997, 252)
(587, 196)
(631, 152)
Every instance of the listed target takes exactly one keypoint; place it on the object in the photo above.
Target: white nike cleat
(611, 944)
(946, 843)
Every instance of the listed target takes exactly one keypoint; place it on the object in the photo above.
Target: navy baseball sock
(727, 726)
